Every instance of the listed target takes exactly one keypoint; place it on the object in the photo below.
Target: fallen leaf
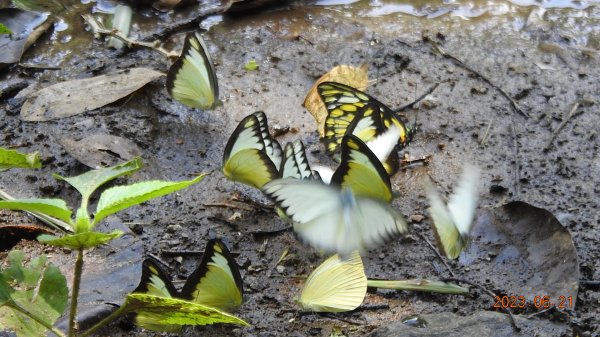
(353, 76)
(26, 27)
(73, 97)
(101, 150)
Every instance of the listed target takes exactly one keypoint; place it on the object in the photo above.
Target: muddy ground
(465, 119)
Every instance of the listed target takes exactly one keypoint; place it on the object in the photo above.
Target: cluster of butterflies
(346, 211)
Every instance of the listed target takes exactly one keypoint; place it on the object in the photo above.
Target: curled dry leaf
(101, 150)
(353, 76)
(73, 97)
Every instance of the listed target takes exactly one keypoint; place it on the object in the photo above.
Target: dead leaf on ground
(73, 97)
(524, 251)
(26, 27)
(101, 150)
(353, 76)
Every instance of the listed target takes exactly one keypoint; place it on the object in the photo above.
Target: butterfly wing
(333, 220)
(452, 224)
(345, 105)
(294, 163)
(271, 145)
(155, 281)
(361, 171)
(336, 285)
(245, 159)
(191, 80)
(463, 201)
(216, 282)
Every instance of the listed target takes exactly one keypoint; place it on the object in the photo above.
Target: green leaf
(56, 208)
(38, 289)
(251, 65)
(4, 29)
(173, 313)
(39, 5)
(88, 182)
(81, 240)
(12, 158)
(120, 197)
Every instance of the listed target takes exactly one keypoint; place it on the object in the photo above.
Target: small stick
(227, 205)
(97, 28)
(460, 63)
(492, 295)
(438, 254)
(416, 101)
(485, 134)
(253, 203)
(181, 252)
(160, 260)
(561, 126)
(271, 232)
(517, 164)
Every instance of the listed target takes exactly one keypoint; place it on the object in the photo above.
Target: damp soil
(545, 68)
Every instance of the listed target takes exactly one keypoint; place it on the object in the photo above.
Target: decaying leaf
(73, 97)
(524, 251)
(101, 150)
(353, 76)
(26, 27)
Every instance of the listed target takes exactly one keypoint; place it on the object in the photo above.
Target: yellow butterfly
(191, 80)
(452, 223)
(216, 283)
(352, 213)
(251, 155)
(336, 285)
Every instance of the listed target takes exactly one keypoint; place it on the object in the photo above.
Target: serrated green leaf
(120, 197)
(56, 208)
(37, 288)
(5, 30)
(81, 240)
(88, 182)
(12, 158)
(170, 314)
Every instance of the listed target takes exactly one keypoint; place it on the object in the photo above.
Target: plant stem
(121, 311)
(33, 316)
(419, 285)
(75, 292)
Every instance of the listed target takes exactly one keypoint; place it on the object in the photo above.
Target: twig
(188, 23)
(345, 320)
(561, 126)
(492, 295)
(39, 66)
(419, 99)
(160, 260)
(253, 203)
(181, 252)
(271, 232)
(486, 132)
(461, 64)
(517, 163)
(590, 283)
(431, 286)
(227, 205)
(97, 28)
(438, 254)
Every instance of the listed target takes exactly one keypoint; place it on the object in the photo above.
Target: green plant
(22, 288)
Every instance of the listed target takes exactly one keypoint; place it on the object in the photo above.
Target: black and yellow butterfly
(295, 164)
(216, 283)
(351, 111)
(352, 213)
(191, 80)
(251, 155)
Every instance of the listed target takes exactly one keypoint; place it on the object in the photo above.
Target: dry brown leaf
(101, 150)
(353, 76)
(73, 97)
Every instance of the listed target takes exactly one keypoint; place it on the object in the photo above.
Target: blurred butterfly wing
(155, 281)
(216, 282)
(336, 285)
(447, 235)
(361, 171)
(463, 201)
(294, 163)
(272, 147)
(191, 80)
(333, 220)
(244, 159)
